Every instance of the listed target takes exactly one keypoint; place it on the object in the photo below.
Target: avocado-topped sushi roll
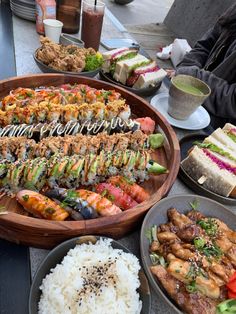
(3, 169)
(56, 169)
(35, 173)
(14, 176)
(73, 171)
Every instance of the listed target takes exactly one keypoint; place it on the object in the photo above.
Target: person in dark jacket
(213, 60)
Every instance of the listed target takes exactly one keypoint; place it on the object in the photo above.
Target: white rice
(112, 277)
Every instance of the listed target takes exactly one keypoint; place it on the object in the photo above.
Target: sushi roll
(73, 171)
(72, 199)
(116, 195)
(119, 109)
(56, 170)
(135, 191)
(103, 206)
(14, 176)
(70, 113)
(41, 206)
(3, 169)
(54, 112)
(41, 112)
(35, 174)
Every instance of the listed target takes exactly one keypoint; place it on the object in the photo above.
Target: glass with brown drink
(92, 19)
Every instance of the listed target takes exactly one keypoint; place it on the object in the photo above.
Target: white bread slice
(202, 169)
(116, 53)
(108, 54)
(150, 78)
(212, 140)
(124, 67)
(229, 126)
(221, 136)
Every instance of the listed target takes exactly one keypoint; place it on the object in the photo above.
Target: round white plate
(198, 120)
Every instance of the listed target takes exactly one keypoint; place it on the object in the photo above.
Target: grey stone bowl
(181, 103)
(56, 256)
(66, 39)
(46, 69)
(157, 215)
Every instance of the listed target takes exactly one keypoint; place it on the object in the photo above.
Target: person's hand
(170, 73)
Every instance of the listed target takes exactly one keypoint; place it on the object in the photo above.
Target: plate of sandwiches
(129, 68)
(209, 163)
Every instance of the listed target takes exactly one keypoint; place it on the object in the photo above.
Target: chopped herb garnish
(209, 226)
(192, 272)
(50, 210)
(195, 204)
(212, 251)
(110, 197)
(25, 197)
(104, 193)
(20, 97)
(199, 243)
(191, 288)
(29, 94)
(106, 94)
(70, 198)
(208, 249)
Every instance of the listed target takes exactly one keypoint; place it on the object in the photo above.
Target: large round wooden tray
(17, 227)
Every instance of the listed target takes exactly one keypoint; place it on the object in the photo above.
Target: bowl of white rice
(90, 275)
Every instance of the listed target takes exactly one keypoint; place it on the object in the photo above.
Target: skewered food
(13, 149)
(213, 163)
(116, 195)
(73, 171)
(41, 206)
(193, 257)
(131, 188)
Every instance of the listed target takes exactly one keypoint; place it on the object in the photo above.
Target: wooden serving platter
(17, 227)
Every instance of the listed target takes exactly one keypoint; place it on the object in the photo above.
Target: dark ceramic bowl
(122, 2)
(56, 256)
(185, 144)
(158, 215)
(46, 69)
(148, 91)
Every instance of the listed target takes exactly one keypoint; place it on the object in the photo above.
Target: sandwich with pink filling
(113, 56)
(131, 68)
(212, 163)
